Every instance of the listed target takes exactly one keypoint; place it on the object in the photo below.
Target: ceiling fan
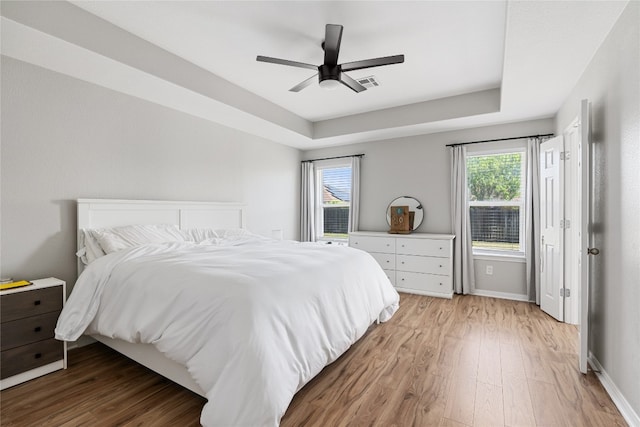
(330, 73)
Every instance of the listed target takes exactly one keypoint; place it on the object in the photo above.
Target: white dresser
(417, 263)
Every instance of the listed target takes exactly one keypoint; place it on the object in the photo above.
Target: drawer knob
(402, 262)
(403, 279)
(440, 248)
(36, 302)
(37, 329)
(37, 355)
(440, 284)
(440, 265)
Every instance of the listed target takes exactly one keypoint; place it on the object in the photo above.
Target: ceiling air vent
(369, 82)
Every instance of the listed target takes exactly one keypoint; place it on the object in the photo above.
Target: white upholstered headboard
(98, 213)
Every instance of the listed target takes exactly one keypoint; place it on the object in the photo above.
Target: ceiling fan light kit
(329, 84)
(330, 73)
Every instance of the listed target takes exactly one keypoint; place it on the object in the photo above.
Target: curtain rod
(331, 158)
(499, 139)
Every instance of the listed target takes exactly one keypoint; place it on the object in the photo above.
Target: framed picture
(401, 220)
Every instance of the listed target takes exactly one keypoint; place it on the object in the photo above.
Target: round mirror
(414, 206)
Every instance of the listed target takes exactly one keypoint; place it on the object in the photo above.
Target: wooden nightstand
(28, 318)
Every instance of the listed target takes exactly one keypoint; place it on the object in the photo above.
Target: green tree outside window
(494, 177)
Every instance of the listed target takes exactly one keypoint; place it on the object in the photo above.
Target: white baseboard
(618, 398)
(501, 295)
(425, 293)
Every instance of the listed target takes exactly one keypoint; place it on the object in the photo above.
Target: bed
(240, 319)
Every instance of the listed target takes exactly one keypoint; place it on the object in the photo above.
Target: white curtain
(354, 209)
(463, 272)
(532, 230)
(307, 203)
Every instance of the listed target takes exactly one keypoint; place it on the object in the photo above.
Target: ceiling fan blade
(286, 62)
(351, 83)
(332, 39)
(303, 84)
(369, 63)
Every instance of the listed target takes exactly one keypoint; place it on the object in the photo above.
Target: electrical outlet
(490, 270)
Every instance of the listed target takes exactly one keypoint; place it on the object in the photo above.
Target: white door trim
(585, 232)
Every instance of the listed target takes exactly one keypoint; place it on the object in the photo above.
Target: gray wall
(612, 83)
(64, 139)
(419, 166)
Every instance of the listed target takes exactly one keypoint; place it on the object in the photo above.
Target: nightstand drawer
(29, 330)
(30, 303)
(21, 359)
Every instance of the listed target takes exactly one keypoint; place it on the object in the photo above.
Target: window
(496, 192)
(334, 193)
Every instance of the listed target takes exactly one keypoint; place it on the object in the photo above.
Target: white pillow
(231, 233)
(94, 251)
(90, 250)
(118, 238)
(199, 235)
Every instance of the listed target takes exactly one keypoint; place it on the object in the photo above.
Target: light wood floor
(469, 361)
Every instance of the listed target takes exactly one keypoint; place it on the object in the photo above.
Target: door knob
(593, 251)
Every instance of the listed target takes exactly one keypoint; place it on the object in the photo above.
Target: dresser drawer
(426, 247)
(29, 330)
(423, 282)
(386, 261)
(421, 264)
(373, 244)
(26, 357)
(30, 303)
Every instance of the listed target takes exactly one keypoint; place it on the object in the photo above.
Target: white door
(551, 231)
(586, 248)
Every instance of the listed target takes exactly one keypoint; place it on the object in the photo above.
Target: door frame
(586, 236)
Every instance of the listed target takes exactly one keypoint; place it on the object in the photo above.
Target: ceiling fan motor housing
(329, 72)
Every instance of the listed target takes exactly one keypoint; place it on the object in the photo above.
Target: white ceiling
(468, 63)
(440, 42)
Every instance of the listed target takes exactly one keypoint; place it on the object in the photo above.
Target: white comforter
(253, 321)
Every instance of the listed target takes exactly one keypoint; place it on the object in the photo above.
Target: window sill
(496, 256)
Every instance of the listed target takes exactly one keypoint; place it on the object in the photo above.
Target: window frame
(319, 202)
(493, 252)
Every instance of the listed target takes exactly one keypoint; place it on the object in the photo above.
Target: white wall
(612, 83)
(64, 139)
(419, 166)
